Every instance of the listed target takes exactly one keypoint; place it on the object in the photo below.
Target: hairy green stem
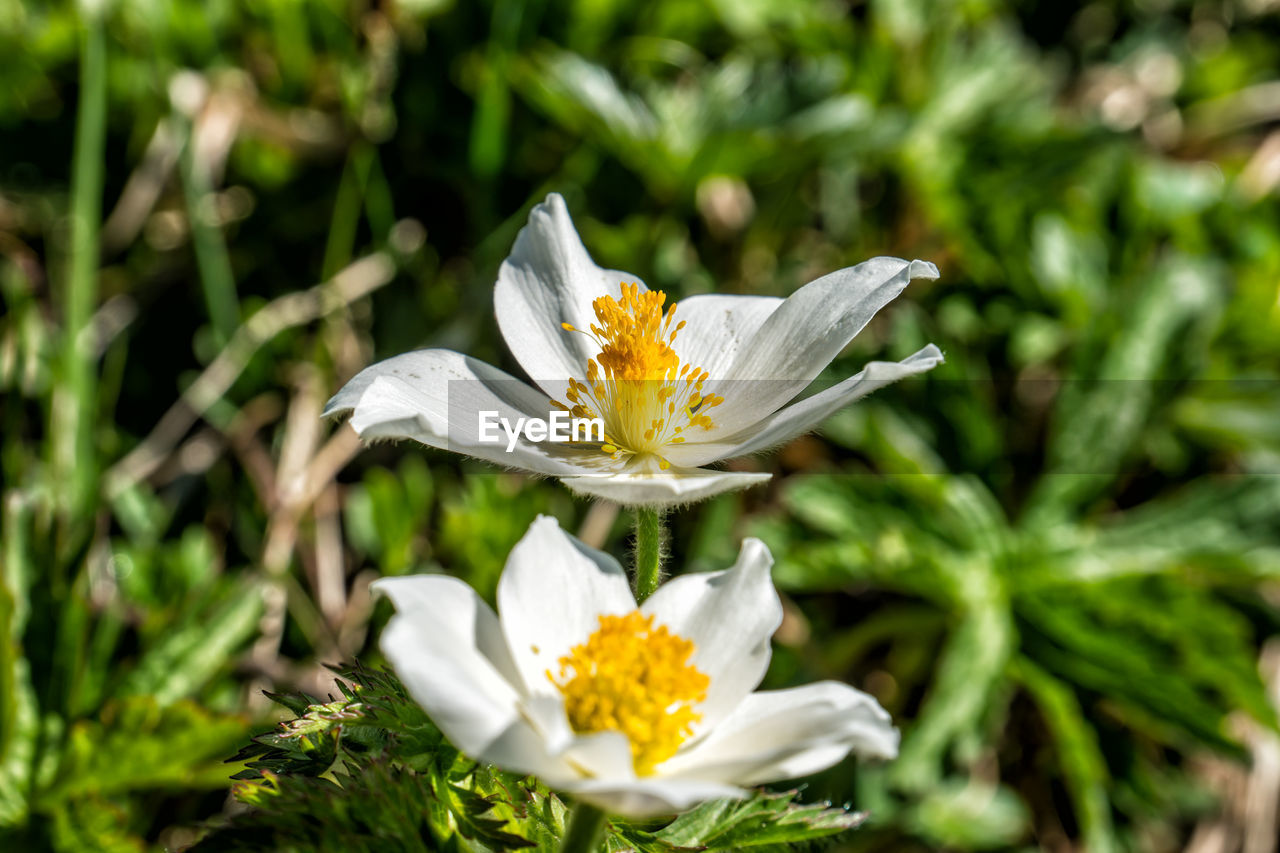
(72, 432)
(649, 535)
(586, 824)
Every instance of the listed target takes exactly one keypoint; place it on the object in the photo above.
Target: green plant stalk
(73, 401)
(586, 824)
(340, 247)
(216, 277)
(649, 535)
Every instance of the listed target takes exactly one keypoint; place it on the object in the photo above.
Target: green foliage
(484, 518)
(383, 514)
(370, 772)
(97, 699)
(1103, 625)
(140, 744)
(766, 821)
(84, 792)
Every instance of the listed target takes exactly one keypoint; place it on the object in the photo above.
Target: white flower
(706, 379)
(638, 711)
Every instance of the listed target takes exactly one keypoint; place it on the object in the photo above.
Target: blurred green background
(1054, 559)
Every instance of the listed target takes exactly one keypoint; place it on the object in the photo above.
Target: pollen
(634, 678)
(637, 383)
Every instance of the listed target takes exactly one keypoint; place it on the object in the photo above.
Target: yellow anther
(634, 678)
(636, 375)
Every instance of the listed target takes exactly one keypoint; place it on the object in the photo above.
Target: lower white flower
(637, 710)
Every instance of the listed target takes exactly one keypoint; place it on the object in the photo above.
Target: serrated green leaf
(298, 703)
(971, 666)
(193, 652)
(139, 744)
(1078, 753)
(763, 820)
(1157, 644)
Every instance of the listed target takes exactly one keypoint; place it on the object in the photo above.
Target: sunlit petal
(551, 596)
(549, 279)
(785, 734)
(730, 616)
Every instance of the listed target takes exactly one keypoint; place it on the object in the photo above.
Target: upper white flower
(639, 711)
(677, 386)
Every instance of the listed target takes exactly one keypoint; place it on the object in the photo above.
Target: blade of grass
(379, 205)
(340, 246)
(216, 278)
(73, 399)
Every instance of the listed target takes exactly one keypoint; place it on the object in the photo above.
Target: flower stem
(649, 535)
(583, 832)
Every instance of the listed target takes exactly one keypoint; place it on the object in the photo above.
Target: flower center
(637, 384)
(633, 678)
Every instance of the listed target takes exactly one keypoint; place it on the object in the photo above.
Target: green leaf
(139, 744)
(369, 770)
(380, 808)
(385, 513)
(763, 820)
(1079, 755)
(19, 724)
(1098, 422)
(969, 672)
(1229, 519)
(483, 521)
(967, 814)
(1157, 645)
(194, 651)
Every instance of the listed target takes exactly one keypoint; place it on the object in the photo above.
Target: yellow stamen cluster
(637, 384)
(633, 678)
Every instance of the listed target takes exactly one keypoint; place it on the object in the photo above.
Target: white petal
(799, 418)
(604, 754)
(785, 734)
(551, 595)
(448, 649)
(673, 487)
(435, 396)
(809, 329)
(549, 279)
(719, 326)
(648, 796)
(730, 616)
